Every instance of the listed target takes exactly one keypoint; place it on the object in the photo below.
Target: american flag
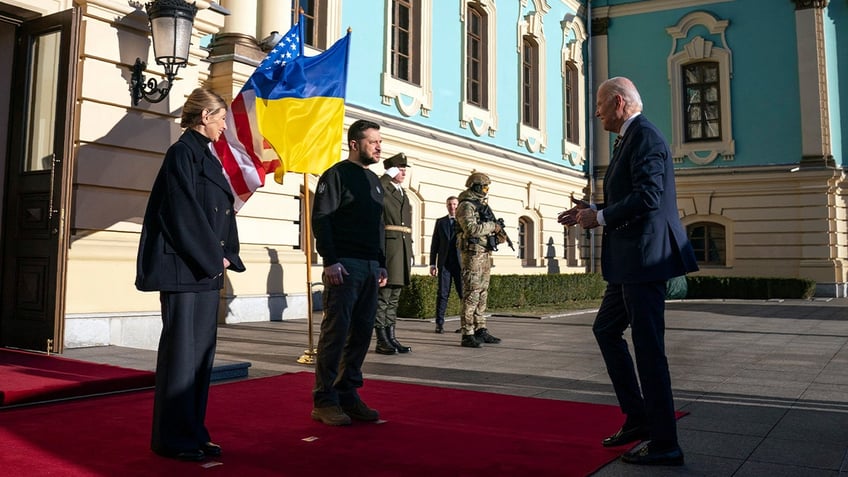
(244, 153)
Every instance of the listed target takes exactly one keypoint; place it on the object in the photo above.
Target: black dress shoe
(193, 455)
(211, 449)
(647, 456)
(627, 435)
(440, 329)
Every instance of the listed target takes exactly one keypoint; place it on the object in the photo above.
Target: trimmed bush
(418, 300)
(749, 288)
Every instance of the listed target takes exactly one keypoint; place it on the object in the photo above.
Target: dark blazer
(443, 243)
(643, 239)
(190, 225)
(398, 212)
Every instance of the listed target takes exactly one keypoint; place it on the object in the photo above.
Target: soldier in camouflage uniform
(475, 255)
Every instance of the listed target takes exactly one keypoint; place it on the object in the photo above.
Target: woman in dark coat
(188, 239)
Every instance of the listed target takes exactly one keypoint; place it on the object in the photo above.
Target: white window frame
(481, 121)
(410, 99)
(685, 50)
(534, 140)
(574, 34)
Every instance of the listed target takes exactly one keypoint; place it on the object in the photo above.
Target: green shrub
(418, 300)
(749, 288)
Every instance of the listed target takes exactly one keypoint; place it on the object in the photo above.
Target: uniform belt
(399, 228)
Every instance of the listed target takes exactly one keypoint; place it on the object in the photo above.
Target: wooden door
(35, 229)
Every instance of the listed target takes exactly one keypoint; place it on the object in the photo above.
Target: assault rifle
(492, 241)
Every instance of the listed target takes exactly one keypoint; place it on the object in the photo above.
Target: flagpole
(308, 356)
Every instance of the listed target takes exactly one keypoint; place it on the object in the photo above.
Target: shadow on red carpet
(265, 429)
(27, 377)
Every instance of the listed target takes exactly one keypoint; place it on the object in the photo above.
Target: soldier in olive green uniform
(397, 217)
(472, 241)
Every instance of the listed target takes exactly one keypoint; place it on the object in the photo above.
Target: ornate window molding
(685, 50)
(481, 120)
(410, 98)
(534, 139)
(573, 81)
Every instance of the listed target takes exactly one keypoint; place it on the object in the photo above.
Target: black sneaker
(470, 341)
(483, 335)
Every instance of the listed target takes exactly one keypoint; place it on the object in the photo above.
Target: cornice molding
(808, 4)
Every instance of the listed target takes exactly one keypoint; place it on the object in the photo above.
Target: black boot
(399, 347)
(484, 336)
(384, 346)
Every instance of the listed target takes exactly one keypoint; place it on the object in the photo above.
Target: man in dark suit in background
(444, 260)
(644, 244)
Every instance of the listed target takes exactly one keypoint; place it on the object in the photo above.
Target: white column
(242, 17)
(274, 15)
(812, 81)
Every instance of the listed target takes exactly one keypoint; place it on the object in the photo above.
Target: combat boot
(390, 334)
(470, 341)
(483, 335)
(384, 346)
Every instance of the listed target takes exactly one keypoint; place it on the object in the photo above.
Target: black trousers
(447, 275)
(346, 331)
(183, 370)
(642, 307)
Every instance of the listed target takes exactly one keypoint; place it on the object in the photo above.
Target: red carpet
(31, 377)
(265, 430)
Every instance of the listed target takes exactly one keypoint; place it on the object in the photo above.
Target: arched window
(709, 242)
(405, 80)
(572, 111)
(525, 240)
(478, 105)
(700, 69)
(530, 82)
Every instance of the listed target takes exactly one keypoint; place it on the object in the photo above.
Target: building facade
(506, 88)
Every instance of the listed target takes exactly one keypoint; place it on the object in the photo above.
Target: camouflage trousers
(476, 268)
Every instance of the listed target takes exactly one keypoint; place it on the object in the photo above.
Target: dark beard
(367, 160)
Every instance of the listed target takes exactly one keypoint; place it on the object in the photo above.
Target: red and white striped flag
(243, 151)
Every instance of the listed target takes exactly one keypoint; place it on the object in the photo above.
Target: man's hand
(587, 218)
(433, 271)
(498, 228)
(335, 273)
(383, 277)
(569, 217)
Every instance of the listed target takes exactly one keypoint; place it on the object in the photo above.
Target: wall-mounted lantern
(171, 22)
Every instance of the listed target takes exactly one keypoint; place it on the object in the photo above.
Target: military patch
(321, 188)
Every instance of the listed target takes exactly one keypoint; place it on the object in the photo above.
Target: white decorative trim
(333, 10)
(573, 36)
(482, 121)
(700, 49)
(534, 140)
(410, 99)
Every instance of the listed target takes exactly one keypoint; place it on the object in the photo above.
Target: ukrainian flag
(300, 110)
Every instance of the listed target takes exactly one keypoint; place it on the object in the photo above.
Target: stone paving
(765, 383)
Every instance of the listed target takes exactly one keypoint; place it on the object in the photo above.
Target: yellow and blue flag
(300, 109)
(288, 117)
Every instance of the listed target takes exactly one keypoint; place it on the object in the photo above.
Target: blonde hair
(199, 100)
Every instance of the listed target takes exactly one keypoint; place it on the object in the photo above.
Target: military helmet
(477, 178)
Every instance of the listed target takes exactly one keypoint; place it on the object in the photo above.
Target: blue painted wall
(764, 85)
(366, 64)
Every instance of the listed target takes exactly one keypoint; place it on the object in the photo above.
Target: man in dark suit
(644, 244)
(444, 260)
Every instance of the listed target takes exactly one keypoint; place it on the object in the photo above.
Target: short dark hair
(356, 131)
